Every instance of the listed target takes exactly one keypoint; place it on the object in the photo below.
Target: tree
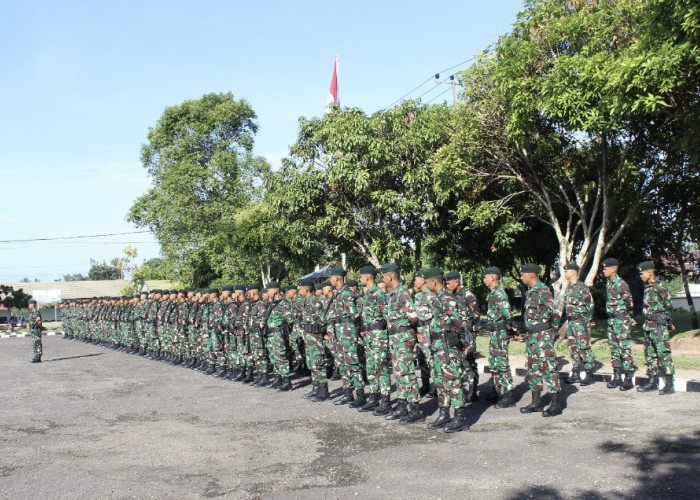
(11, 298)
(74, 277)
(199, 157)
(102, 271)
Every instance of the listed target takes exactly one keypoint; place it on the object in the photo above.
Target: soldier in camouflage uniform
(541, 321)
(296, 336)
(421, 299)
(578, 304)
(280, 319)
(498, 317)
(222, 346)
(447, 335)
(469, 312)
(240, 327)
(619, 308)
(657, 321)
(35, 328)
(152, 323)
(343, 315)
(376, 343)
(314, 327)
(258, 347)
(401, 319)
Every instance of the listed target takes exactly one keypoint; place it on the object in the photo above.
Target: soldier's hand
(634, 322)
(673, 328)
(592, 323)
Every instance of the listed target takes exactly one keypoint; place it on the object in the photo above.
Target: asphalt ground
(89, 422)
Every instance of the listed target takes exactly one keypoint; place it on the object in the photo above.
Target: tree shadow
(72, 357)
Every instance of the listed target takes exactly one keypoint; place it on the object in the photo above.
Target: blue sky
(82, 82)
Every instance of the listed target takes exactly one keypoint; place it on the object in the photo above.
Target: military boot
(211, 370)
(400, 411)
(222, 372)
(432, 393)
(668, 386)
(372, 402)
(346, 399)
(336, 373)
(506, 401)
(616, 380)
(322, 394)
(35, 359)
(458, 423)
(652, 384)
(286, 385)
(442, 420)
(384, 406)
(587, 378)
(535, 406)
(555, 407)
(415, 414)
(574, 378)
(360, 399)
(275, 381)
(425, 386)
(250, 376)
(263, 380)
(314, 390)
(627, 384)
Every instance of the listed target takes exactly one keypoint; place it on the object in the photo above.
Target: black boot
(616, 380)
(347, 398)
(555, 407)
(432, 393)
(241, 375)
(275, 381)
(371, 404)
(627, 384)
(425, 386)
(384, 406)
(442, 420)
(574, 378)
(587, 378)
(360, 399)
(458, 423)
(336, 373)
(400, 411)
(286, 385)
(232, 374)
(668, 386)
(262, 381)
(250, 376)
(178, 360)
(211, 370)
(651, 385)
(535, 406)
(35, 359)
(506, 401)
(314, 390)
(414, 414)
(222, 372)
(322, 394)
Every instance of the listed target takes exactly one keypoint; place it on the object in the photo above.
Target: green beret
(227, 288)
(239, 287)
(351, 283)
(32, 301)
(273, 284)
(390, 267)
(326, 283)
(492, 270)
(291, 287)
(368, 269)
(572, 266)
(307, 282)
(433, 272)
(253, 287)
(126, 297)
(419, 274)
(452, 275)
(136, 296)
(611, 262)
(156, 291)
(191, 289)
(337, 271)
(318, 286)
(647, 265)
(530, 268)
(183, 291)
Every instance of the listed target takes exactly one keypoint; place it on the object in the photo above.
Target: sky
(82, 82)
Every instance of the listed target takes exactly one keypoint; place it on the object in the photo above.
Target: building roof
(76, 289)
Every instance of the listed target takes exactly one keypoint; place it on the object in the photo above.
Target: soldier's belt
(657, 317)
(580, 319)
(400, 329)
(312, 328)
(276, 329)
(619, 315)
(379, 325)
(496, 326)
(538, 328)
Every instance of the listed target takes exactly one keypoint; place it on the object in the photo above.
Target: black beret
(611, 262)
(307, 282)
(351, 282)
(368, 269)
(318, 286)
(239, 287)
(291, 287)
(156, 291)
(390, 267)
(253, 287)
(326, 283)
(337, 271)
(452, 275)
(433, 272)
(227, 288)
(273, 284)
(572, 266)
(530, 268)
(191, 289)
(492, 270)
(647, 265)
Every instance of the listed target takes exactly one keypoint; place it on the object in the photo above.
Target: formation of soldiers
(386, 334)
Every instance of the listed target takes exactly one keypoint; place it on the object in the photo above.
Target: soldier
(223, 345)
(296, 336)
(279, 318)
(313, 327)
(578, 304)
(498, 320)
(35, 328)
(258, 348)
(541, 321)
(469, 312)
(240, 327)
(422, 298)
(619, 308)
(401, 319)
(376, 344)
(657, 321)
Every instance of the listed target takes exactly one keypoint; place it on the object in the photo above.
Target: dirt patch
(688, 344)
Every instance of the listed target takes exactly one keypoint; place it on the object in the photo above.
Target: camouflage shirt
(280, 313)
(539, 307)
(373, 306)
(656, 301)
(312, 313)
(400, 311)
(444, 312)
(34, 321)
(467, 305)
(498, 308)
(619, 297)
(423, 304)
(578, 302)
(344, 308)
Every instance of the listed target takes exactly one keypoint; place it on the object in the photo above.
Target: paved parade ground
(89, 422)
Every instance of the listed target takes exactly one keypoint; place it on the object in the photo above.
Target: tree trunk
(417, 254)
(684, 276)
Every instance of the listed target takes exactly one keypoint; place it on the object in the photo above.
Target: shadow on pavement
(72, 357)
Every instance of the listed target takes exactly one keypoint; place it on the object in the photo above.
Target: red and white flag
(333, 92)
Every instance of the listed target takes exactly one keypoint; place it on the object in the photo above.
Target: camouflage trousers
(542, 362)
(258, 351)
(620, 341)
(165, 331)
(242, 348)
(498, 361)
(376, 343)
(152, 338)
(296, 339)
(424, 355)
(657, 352)
(316, 357)
(192, 334)
(449, 370)
(579, 340)
(230, 350)
(36, 344)
(403, 366)
(348, 358)
(215, 346)
(277, 347)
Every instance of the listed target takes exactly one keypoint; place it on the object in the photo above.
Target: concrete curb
(680, 384)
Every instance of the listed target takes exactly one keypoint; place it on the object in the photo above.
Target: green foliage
(13, 299)
(103, 271)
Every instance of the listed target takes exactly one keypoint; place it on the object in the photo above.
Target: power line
(74, 237)
(441, 93)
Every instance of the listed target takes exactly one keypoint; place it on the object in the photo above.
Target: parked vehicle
(15, 321)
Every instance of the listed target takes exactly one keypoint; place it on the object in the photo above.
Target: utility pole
(450, 81)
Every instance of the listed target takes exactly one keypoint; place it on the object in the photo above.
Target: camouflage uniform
(498, 315)
(280, 317)
(376, 341)
(296, 336)
(400, 314)
(541, 321)
(448, 342)
(619, 310)
(314, 328)
(230, 359)
(422, 301)
(578, 304)
(258, 349)
(344, 313)
(468, 308)
(240, 328)
(657, 318)
(35, 330)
